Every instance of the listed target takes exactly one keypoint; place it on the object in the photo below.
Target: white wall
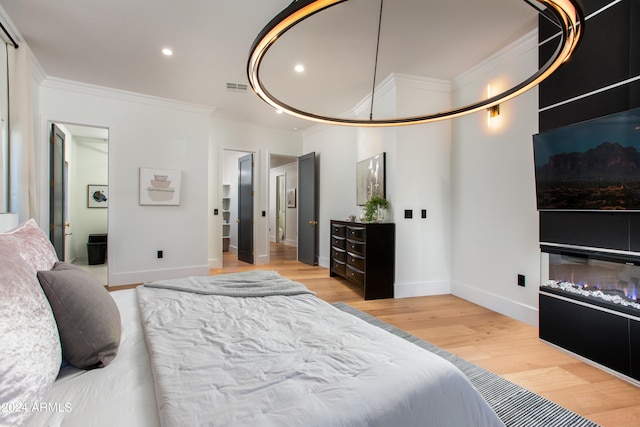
(417, 177)
(495, 222)
(422, 181)
(143, 132)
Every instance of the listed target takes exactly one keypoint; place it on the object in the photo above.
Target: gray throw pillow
(87, 317)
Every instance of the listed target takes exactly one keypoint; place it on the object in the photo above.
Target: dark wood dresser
(365, 254)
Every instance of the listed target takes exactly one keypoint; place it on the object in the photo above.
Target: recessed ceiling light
(166, 51)
(299, 68)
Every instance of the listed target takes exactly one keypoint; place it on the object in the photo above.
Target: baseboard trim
(120, 279)
(421, 289)
(497, 303)
(215, 263)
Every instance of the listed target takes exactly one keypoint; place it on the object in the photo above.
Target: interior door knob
(312, 222)
(238, 221)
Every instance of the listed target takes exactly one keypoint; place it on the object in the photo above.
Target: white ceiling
(117, 44)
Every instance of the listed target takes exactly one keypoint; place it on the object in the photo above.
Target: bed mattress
(211, 360)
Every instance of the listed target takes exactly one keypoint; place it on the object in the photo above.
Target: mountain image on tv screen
(593, 165)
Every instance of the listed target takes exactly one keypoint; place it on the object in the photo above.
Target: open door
(245, 208)
(307, 210)
(57, 191)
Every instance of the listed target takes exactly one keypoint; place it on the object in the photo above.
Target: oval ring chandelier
(567, 14)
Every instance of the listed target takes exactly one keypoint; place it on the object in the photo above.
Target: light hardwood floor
(502, 345)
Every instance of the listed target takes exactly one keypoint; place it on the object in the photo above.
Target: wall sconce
(493, 111)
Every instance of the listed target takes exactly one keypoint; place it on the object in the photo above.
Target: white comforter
(294, 361)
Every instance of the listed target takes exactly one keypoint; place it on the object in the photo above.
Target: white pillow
(30, 351)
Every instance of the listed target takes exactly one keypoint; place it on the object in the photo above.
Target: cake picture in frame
(160, 186)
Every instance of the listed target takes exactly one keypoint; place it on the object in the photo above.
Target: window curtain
(22, 171)
(4, 140)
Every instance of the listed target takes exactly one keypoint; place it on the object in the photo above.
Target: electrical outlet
(160, 254)
(521, 280)
(408, 213)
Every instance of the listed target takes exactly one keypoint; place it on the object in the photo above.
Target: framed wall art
(370, 178)
(97, 196)
(160, 186)
(291, 198)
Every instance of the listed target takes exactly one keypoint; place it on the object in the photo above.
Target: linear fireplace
(603, 279)
(589, 305)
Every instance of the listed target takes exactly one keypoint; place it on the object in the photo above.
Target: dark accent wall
(608, 56)
(605, 62)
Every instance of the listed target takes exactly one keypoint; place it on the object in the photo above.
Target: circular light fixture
(566, 13)
(299, 68)
(167, 52)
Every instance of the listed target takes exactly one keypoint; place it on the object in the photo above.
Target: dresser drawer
(364, 255)
(339, 254)
(355, 261)
(355, 247)
(338, 242)
(338, 230)
(356, 233)
(338, 267)
(355, 275)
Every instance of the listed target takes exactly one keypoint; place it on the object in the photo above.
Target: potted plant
(373, 209)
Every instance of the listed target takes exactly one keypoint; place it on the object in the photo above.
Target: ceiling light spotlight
(299, 68)
(167, 52)
(567, 14)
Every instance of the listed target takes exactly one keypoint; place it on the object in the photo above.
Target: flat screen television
(590, 166)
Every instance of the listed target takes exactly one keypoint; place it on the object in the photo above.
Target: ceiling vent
(237, 87)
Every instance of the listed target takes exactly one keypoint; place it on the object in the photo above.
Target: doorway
(237, 245)
(283, 206)
(82, 205)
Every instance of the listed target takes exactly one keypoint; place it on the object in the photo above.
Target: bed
(242, 349)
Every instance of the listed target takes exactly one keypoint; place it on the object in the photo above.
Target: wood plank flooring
(502, 345)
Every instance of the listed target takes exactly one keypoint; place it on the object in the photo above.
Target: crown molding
(392, 82)
(123, 95)
(37, 72)
(488, 66)
(406, 81)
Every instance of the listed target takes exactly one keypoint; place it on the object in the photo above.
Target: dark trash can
(97, 249)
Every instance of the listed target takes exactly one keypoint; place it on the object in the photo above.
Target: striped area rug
(516, 406)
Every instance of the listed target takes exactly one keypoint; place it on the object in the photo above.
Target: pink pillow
(32, 244)
(30, 348)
